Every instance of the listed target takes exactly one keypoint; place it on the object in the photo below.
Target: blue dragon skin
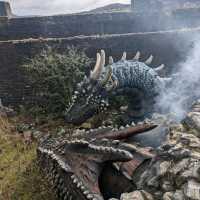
(93, 92)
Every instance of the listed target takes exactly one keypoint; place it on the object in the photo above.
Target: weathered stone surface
(137, 195)
(163, 168)
(178, 195)
(13, 54)
(167, 186)
(168, 196)
(175, 173)
(193, 121)
(192, 190)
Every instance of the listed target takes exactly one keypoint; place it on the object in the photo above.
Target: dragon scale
(93, 92)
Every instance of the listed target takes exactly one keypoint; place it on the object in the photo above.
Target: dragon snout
(80, 115)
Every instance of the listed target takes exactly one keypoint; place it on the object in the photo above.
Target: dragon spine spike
(160, 68)
(111, 61)
(149, 60)
(167, 80)
(97, 69)
(103, 59)
(137, 56)
(124, 56)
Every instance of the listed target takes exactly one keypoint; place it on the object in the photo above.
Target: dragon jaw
(76, 163)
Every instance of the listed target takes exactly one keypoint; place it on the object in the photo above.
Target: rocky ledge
(174, 174)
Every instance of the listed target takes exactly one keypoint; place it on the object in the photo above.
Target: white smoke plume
(186, 86)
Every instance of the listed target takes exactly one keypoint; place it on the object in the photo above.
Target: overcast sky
(49, 7)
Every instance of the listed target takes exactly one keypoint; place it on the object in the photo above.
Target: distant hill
(166, 4)
(110, 8)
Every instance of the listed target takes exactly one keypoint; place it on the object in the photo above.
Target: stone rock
(192, 121)
(153, 182)
(180, 166)
(167, 186)
(192, 190)
(137, 195)
(178, 195)
(196, 106)
(168, 196)
(162, 168)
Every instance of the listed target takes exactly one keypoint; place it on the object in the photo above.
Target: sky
(51, 7)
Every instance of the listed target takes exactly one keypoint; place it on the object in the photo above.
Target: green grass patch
(20, 177)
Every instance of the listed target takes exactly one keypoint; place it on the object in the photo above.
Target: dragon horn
(149, 60)
(100, 63)
(124, 56)
(159, 68)
(111, 61)
(103, 59)
(137, 56)
(95, 73)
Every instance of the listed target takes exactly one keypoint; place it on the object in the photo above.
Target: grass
(20, 177)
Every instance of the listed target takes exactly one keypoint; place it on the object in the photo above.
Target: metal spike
(149, 60)
(137, 56)
(124, 56)
(89, 196)
(86, 192)
(127, 175)
(159, 68)
(167, 80)
(98, 67)
(111, 61)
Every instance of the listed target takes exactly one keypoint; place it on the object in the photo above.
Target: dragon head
(91, 94)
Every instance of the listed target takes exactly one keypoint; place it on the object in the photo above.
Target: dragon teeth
(73, 176)
(79, 184)
(89, 196)
(127, 175)
(133, 124)
(86, 192)
(75, 180)
(83, 188)
(116, 166)
(115, 142)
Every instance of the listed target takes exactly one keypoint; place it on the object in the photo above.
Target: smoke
(185, 88)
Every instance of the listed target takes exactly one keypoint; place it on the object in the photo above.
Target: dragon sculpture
(89, 165)
(125, 76)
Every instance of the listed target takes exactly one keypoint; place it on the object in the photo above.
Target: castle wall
(169, 47)
(115, 32)
(93, 24)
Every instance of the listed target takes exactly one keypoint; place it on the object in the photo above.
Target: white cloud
(49, 7)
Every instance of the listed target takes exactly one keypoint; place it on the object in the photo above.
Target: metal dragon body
(93, 93)
(89, 165)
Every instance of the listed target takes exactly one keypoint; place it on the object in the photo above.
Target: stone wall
(169, 47)
(158, 33)
(94, 24)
